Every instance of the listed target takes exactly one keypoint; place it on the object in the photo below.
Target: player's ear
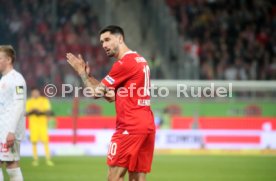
(121, 40)
(9, 59)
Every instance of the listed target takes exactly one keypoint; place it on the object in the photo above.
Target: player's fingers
(70, 62)
(80, 59)
(70, 56)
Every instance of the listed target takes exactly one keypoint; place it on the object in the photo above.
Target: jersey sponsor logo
(143, 102)
(109, 79)
(19, 90)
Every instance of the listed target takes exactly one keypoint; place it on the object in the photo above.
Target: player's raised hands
(77, 63)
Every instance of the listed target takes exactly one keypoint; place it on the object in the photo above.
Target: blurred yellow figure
(38, 110)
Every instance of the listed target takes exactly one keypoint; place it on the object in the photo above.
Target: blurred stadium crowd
(42, 38)
(228, 39)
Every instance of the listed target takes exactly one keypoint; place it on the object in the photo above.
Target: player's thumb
(79, 55)
(87, 68)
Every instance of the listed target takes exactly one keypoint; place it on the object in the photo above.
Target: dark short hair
(113, 29)
(9, 50)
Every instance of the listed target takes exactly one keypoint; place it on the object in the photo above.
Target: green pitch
(165, 168)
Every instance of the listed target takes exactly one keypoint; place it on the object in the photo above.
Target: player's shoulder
(43, 98)
(30, 101)
(133, 58)
(130, 55)
(16, 77)
(13, 79)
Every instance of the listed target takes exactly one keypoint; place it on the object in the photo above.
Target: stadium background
(202, 41)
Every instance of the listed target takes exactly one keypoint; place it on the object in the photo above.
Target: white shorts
(10, 154)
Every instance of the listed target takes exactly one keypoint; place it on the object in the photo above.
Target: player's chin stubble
(113, 52)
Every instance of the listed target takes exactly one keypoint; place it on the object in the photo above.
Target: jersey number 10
(146, 71)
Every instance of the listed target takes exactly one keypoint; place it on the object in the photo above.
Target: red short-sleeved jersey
(130, 78)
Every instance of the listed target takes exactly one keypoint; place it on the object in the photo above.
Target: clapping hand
(77, 63)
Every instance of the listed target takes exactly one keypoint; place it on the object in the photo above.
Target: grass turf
(165, 168)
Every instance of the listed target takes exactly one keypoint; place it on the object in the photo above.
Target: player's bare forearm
(98, 89)
(89, 81)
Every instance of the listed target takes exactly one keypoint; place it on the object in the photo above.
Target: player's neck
(122, 52)
(7, 70)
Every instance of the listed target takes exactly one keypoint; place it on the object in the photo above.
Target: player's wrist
(81, 72)
(84, 76)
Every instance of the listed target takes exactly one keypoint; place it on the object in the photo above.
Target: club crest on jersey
(109, 79)
(19, 90)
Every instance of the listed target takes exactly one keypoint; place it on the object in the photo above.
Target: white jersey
(12, 89)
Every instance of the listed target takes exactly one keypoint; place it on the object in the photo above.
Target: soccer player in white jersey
(12, 114)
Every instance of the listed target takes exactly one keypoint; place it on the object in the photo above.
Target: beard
(112, 53)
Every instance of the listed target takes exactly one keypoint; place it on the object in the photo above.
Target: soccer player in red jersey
(132, 145)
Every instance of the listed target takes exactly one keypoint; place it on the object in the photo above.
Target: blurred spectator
(272, 69)
(70, 78)
(236, 71)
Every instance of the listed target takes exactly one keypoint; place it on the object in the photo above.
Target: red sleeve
(118, 74)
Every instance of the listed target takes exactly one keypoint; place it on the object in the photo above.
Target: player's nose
(104, 45)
